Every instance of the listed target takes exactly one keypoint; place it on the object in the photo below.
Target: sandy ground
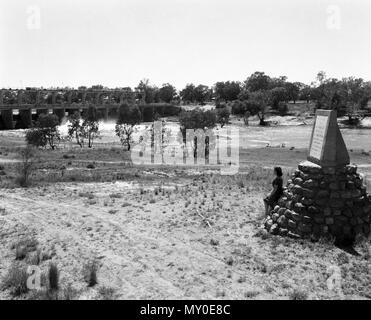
(169, 233)
(194, 239)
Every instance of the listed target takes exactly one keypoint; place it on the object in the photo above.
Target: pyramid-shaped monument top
(327, 147)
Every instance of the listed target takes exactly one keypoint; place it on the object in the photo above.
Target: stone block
(367, 209)
(282, 221)
(298, 207)
(274, 229)
(329, 170)
(283, 232)
(347, 230)
(356, 193)
(322, 194)
(305, 228)
(295, 216)
(307, 219)
(323, 185)
(336, 203)
(329, 220)
(351, 168)
(310, 183)
(334, 186)
(313, 210)
(350, 185)
(349, 204)
(306, 201)
(298, 181)
(293, 235)
(366, 230)
(319, 219)
(347, 212)
(358, 212)
(334, 195)
(346, 194)
(308, 193)
(297, 190)
(288, 213)
(291, 224)
(268, 224)
(321, 201)
(358, 229)
(327, 211)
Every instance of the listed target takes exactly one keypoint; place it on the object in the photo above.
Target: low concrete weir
(58, 102)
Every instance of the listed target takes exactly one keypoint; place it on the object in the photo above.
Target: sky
(117, 43)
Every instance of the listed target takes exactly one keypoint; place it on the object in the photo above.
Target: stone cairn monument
(325, 195)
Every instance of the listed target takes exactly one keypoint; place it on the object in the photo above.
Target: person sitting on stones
(271, 200)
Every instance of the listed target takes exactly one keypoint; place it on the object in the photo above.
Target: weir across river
(19, 107)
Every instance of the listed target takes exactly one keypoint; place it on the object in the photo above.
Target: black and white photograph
(208, 151)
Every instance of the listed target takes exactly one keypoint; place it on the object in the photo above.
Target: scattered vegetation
(298, 294)
(53, 277)
(27, 166)
(129, 117)
(45, 132)
(90, 273)
(107, 293)
(16, 280)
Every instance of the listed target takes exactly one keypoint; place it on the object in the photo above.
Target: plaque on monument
(327, 147)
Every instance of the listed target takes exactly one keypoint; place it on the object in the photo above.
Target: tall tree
(129, 118)
(167, 93)
(258, 81)
(188, 93)
(90, 125)
(227, 91)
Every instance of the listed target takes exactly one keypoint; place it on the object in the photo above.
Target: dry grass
(16, 280)
(201, 237)
(90, 270)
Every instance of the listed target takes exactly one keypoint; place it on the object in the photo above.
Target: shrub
(90, 273)
(282, 108)
(23, 247)
(239, 107)
(298, 294)
(223, 116)
(129, 118)
(107, 293)
(53, 277)
(220, 105)
(36, 138)
(197, 119)
(152, 111)
(69, 293)
(90, 125)
(16, 280)
(45, 132)
(75, 129)
(43, 294)
(148, 113)
(27, 166)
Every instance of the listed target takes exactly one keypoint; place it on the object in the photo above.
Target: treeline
(250, 97)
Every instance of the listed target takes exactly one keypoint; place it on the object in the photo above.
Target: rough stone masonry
(320, 201)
